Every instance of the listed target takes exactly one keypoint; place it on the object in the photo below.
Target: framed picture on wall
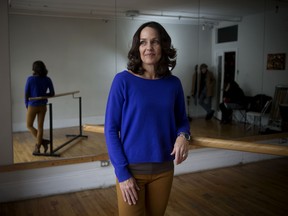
(276, 61)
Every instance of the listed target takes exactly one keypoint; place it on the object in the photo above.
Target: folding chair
(257, 116)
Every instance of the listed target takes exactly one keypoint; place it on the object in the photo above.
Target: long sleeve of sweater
(142, 120)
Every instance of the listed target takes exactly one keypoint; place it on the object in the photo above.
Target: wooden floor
(250, 190)
(257, 189)
(23, 142)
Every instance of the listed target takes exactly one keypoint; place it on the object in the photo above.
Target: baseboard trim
(40, 182)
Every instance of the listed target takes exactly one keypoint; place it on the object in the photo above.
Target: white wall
(6, 147)
(251, 54)
(260, 35)
(79, 54)
(84, 55)
(276, 41)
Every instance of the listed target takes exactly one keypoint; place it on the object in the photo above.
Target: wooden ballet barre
(56, 95)
(272, 149)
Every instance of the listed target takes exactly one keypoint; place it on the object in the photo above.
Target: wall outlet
(104, 163)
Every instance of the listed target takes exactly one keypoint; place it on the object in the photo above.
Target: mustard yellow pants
(40, 112)
(152, 198)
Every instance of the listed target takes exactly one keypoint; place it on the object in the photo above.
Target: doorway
(226, 70)
(229, 67)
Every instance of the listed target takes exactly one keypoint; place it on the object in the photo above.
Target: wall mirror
(85, 43)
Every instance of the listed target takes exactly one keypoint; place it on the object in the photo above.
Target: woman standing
(146, 126)
(38, 85)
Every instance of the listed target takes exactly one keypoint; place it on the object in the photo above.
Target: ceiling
(209, 10)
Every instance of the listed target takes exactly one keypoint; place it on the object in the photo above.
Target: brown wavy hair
(168, 59)
(39, 68)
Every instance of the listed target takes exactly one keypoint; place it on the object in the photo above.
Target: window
(227, 34)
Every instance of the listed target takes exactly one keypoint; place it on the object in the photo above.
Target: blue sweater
(143, 118)
(38, 86)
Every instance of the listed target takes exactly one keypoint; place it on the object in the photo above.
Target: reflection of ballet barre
(53, 151)
(56, 95)
(272, 149)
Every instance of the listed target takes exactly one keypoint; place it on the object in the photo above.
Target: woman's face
(150, 48)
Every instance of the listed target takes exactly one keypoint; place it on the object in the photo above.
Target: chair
(240, 114)
(257, 116)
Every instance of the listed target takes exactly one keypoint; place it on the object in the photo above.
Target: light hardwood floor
(23, 142)
(257, 189)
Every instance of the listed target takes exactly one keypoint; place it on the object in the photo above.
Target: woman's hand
(180, 149)
(129, 190)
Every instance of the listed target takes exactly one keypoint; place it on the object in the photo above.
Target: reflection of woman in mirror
(38, 85)
(146, 126)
